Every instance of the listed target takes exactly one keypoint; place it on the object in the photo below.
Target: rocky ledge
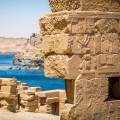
(26, 51)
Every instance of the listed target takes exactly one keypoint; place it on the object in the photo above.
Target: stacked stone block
(83, 46)
(52, 102)
(81, 41)
(8, 92)
(28, 101)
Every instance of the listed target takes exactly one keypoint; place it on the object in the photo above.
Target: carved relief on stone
(62, 66)
(80, 43)
(73, 66)
(116, 43)
(110, 43)
(88, 63)
(58, 43)
(71, 44)
(83, 25)
(107, 60)
(79, 26)
(55, 66)
(107, 25)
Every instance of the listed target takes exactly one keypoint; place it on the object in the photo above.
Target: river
(34, 78)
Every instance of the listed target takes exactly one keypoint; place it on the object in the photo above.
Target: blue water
(34, 78)
(6, 59)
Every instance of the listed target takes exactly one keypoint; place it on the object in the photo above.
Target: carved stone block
(62, 66)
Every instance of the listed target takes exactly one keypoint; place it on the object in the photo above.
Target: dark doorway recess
(114, 88)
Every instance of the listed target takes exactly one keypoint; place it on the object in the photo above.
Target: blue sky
(20, 18)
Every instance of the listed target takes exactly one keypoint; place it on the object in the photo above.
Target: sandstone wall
(81, 41)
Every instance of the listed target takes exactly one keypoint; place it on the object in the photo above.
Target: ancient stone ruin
(8, 94)
(81, 43)
(18, 97)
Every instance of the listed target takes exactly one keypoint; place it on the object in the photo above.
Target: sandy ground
(5, 115)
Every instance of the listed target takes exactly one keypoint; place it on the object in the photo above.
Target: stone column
(81, 40)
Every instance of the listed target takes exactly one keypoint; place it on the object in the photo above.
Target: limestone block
(85, 5)
(56, 44)
(42, 94)
(27, 97)
(8, 98)
(43, 109)
(29, 106)
(91, 89)
(108, 61)
(7, 81)
(62, 95)
(6, 104)
(62, 66)
(55, 66)
(52, 100)
(7, 95)
(51, 93)
(33, 103)
(107, 25)
(65, 112)
(9, 89)
(110, 43)
(54, 24)
(83, 25)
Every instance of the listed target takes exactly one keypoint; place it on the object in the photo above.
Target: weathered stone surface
(28, 101)
(62, 66)
(51, 41)
(97, 41)
(7, 81)
(84, 46)
(65, 112)
(9, 89)
(8, 94)
(52, 101)
(71, 44)
(85, 5)
(55, 66)
(79, 22)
